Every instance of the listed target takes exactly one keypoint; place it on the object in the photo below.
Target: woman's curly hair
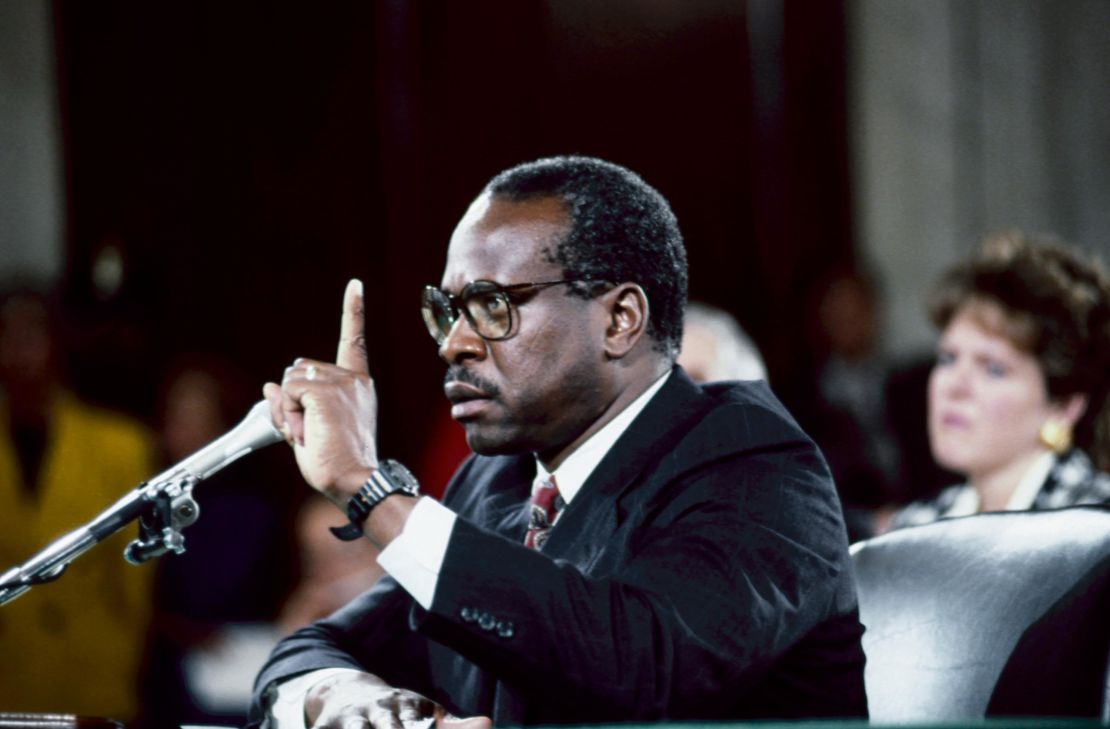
(1056, 303)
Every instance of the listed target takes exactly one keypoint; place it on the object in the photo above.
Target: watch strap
(381, 484)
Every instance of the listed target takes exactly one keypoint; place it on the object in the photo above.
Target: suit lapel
(582, 532)
(500, 493)
(593, 513)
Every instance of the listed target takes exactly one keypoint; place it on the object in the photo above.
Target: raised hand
(329, 412)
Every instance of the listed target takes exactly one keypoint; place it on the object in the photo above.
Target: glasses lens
(439, 314)
(488, 309)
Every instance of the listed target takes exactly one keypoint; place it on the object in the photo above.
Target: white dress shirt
(415, 557)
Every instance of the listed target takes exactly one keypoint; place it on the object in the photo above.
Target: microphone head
(255, 431)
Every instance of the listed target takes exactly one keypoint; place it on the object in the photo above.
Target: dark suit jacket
(702, 572)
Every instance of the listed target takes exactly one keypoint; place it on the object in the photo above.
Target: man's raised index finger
(352, 331)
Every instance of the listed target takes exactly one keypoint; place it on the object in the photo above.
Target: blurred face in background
(849, 318)
(987, 397)
(191, 416)
(26, 343)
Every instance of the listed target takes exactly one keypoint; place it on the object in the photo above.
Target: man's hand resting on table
(362, 701)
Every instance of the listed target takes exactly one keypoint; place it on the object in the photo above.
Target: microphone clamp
(172, 508)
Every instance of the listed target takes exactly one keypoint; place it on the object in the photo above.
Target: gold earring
(1056, 436)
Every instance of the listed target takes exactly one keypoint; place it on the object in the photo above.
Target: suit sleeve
(372, 633)
(726, 570)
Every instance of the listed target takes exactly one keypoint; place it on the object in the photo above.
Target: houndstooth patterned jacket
(1072, 481)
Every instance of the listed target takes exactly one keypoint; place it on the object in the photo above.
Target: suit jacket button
(467, 614)
(486, 621)
(505, 629)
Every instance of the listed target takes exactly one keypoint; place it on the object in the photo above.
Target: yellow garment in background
(74, 645)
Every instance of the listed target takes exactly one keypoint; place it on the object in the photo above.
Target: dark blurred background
(204, 177)
(240, 161)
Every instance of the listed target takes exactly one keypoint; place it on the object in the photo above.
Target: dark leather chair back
(1003, 614)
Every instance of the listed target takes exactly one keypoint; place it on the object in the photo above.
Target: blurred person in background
(716, 347)
(1018, 394)
(216, 603)
(73, 645)
(333, 572)
(840, 398)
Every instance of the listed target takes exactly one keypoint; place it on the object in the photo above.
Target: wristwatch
(389, 478)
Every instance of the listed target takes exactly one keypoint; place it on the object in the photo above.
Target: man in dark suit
(625, 546)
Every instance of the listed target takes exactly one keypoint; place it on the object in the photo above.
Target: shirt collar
(967, 501)
(1031, 483)
(577, 467)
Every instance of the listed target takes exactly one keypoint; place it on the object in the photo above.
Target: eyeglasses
(489, 307)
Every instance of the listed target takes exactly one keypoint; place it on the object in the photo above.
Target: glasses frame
(457, 304)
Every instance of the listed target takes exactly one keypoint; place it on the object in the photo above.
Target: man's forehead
(489, 210)
(502, 240)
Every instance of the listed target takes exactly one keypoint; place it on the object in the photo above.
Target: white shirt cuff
(415, 557)
(288, 709)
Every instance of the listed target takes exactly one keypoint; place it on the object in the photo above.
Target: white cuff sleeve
(415, 558)
(288, 709)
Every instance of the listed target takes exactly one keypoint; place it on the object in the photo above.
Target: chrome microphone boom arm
(163, 505)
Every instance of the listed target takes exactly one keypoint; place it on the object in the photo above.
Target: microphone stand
(164, 506)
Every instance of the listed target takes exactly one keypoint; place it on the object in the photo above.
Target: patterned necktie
(546, 505)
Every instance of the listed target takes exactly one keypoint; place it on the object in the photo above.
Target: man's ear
(626, 308)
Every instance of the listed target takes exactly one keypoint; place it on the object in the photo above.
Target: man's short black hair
(622, 230)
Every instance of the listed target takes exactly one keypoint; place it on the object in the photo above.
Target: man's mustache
(458, 373)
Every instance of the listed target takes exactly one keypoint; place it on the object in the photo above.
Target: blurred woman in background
(1018, 394)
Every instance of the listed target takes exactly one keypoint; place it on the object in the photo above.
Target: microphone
(255, 431)
(170, 492)
(163, 505)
